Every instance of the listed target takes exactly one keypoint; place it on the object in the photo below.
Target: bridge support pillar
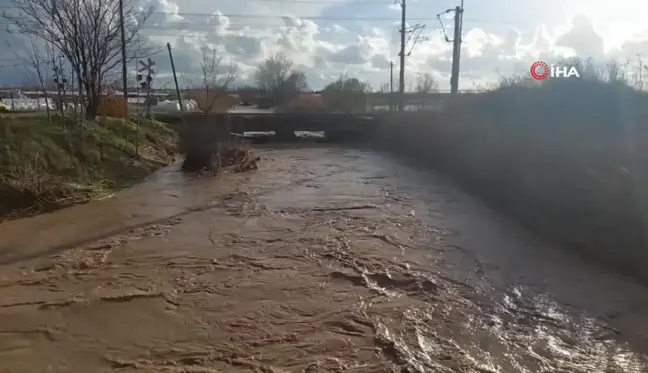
(342, 136)
(202, 138)
(285, 135)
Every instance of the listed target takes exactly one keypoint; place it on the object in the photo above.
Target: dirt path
(325, 260)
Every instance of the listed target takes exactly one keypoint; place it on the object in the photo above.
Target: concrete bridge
(284, 125)
(204, 137)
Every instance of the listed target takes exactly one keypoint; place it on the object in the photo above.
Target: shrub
(567, 157)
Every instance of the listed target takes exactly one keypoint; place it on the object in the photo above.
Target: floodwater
(324, 260)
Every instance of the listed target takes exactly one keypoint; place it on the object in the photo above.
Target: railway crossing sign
(147, 66)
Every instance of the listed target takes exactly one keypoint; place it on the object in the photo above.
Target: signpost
(147, 67)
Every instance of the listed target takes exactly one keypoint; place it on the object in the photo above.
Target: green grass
(48, 165)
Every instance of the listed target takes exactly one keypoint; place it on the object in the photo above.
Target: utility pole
(175, 77)
(401, 86)
(456, 49)
(123, 50)
(391, 86)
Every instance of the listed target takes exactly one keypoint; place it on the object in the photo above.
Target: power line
(416, 30)
(183, 30)
(267, 16)
(278, 17)
(332, 2)
(196, 34)
(359, 19)
(198, 31)
(323, 18)
(303, 17)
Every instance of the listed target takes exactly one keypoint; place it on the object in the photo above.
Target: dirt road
(325, 260)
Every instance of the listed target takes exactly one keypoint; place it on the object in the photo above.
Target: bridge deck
(284, 122)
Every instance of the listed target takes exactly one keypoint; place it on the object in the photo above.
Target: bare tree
(62, 82)
(216, 79)
(278, 76)
(86, 32)
(426, 84)
(38, 69)
(348, 85)
(384, 88)
(347, 94)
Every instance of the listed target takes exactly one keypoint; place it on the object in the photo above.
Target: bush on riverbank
(46, 166)
(567, 157)
(208, 146)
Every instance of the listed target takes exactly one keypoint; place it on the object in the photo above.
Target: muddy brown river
(324, 260)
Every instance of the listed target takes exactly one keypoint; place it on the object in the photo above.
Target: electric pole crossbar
(456, 44)
(407, 35)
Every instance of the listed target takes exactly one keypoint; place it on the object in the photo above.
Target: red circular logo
(539, 70)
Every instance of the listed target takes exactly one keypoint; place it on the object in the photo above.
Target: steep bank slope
(46, 166)
(568, 158)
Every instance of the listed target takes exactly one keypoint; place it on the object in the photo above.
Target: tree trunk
(92, 106)
(93, 97)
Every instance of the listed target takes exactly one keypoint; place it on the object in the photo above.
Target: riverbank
(45, 166)
(566, 158)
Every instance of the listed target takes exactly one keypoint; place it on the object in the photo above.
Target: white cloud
(321, 36)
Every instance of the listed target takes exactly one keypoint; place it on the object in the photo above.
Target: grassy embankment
(568, 158)
(46, 166)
